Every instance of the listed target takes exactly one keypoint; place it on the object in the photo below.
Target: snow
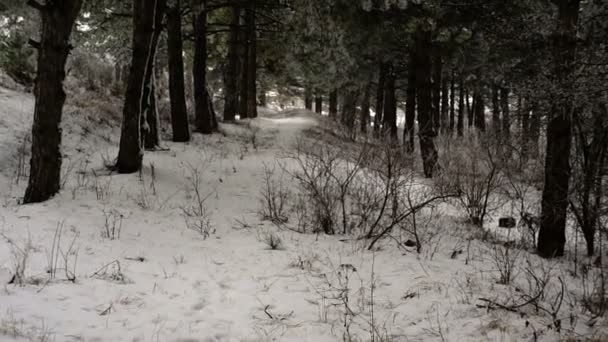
(176, 285)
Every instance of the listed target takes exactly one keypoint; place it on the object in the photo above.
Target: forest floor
(157, 280)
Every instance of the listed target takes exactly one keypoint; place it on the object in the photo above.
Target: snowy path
(174, 285)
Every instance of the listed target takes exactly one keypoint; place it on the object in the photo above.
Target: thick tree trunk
(480, 115)
(409, 129)
(380, 99)
(506, 114)
(130, 154)
(469, 107)
(45, 165)
(424, 96)
(177, 93)
(534, 130)
(318, 104)
(333, 104)
(308, 98)
(452, 102)
(230, 83)
(389, 120)
(552, 233)
(365, 107)
(152, 139)
(436, 93)
(151, 128)
(252, 69)
(444, 124)
(496, 126)
(461, 107)
(203, 115)
(349, 109)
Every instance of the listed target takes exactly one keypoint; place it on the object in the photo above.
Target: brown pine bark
(389, 120)
(177, 93)
(424, 97)
(506, 114)
(333, 104)
(318, 104)
(552, 233)
(380, 99)
(365, 107)
(130, 154)
(151, 131)
(203, 107)
(410, 107)
(461, 108)
(230, 82)
(452, 102)
(58, 20)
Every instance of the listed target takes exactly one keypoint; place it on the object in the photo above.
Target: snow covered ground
(160, 281)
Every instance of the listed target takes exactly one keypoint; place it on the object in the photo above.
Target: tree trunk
(452, 102)
(230, 83)
(534, 130)
(45, 165)
(495, 111)
(506, 114)
(349, 108)
(444, 125)
(436, 93)
(333, 104)
(469, 107)
(151, 128)
(461, 105)
(479, 108)
(130, 154)
(177, 93)
(552, 233)
(409, 129)
(365, 107)
(203, 117)
(308, 98)
(424, 96)
(319, 104)
(380, 99)
(252, 72)
(389, 120)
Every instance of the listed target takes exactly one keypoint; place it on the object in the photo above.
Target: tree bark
(308, 98)
(365, 107)
(409, 129)
(230, 83)
(552, 233)
(469, 107)
(333, 104)
(444, 124)
(380, 99)
(318, 104)
(480, 115)
(506, 114)
(252, 69)
(177, 93)
(389, 120)
(151, 128)
(424, 96)
(461, 107)
(130, 154)
(496, 126)
(203, 114)
(436, 93)
(58, 20)
(452, 102)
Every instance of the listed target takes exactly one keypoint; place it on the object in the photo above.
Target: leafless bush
(274, 196)
(111, 272)
(505, 260)
(62, 258)
(20, 254)
(21, 157)
(271, 239)
(473, 170)
(195, 212)
(112, 224)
